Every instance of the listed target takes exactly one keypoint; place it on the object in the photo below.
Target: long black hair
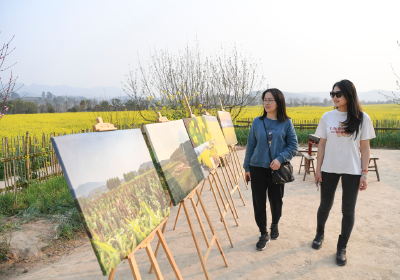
(354, 119)
(280, 103)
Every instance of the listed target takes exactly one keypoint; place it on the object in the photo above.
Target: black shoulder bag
(285, 173)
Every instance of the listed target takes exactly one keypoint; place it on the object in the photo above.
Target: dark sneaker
(264, 240)
(274, 231)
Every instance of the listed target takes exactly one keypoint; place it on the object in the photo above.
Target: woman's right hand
(247, 175)
(318, 177)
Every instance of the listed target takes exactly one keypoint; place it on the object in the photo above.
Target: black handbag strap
(269, 148)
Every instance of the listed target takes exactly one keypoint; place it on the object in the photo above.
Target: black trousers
(350, 186)
(261, 184)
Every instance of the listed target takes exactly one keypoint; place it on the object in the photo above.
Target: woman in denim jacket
(277, 126)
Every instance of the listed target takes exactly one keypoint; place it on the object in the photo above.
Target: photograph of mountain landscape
(205, 150)
(175, 154)
(228, 129)
(216, 133)
(116, 189)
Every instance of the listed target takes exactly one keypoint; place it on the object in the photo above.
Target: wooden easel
(234, 184)
(99, 127)
(212, 174)
(235, 157)
(183, 204)
(146, 244)
(210, 244)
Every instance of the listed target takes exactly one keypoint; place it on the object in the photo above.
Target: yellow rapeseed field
(36, 124)
(376, 112)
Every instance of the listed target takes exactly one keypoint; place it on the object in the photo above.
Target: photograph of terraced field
(176, 157)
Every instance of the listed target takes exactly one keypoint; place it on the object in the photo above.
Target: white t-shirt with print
(342, 152)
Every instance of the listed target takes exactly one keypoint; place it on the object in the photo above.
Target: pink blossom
(6, 108)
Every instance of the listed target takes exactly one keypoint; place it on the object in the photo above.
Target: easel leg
(240, 193)
(199, 220)
(232, 160)
(158, 243)
(219, 191)
(226, 197)
(203, 264)
(204, 182)
(239, 167)
(177, 215)
(222, 214)
(229, 191)
(154, 263)
(212, 229)
(168, 253)
(111, 275)
(134, 268)
(230, 169)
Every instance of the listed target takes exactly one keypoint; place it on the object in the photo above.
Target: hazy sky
(166, 137)
(301, 45)
(97, 157)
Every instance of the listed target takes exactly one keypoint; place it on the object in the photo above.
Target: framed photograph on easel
(116, 189)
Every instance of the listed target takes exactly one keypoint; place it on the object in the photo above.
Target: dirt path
(373, 251)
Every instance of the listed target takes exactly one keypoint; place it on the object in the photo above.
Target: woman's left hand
(363, 183)
(275, 164)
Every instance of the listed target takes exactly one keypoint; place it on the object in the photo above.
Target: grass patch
(241, 135)
(49, 199)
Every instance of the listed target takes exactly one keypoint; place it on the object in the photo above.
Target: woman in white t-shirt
(345, 133)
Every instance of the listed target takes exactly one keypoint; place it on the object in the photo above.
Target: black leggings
(350, 186)
(260, 184)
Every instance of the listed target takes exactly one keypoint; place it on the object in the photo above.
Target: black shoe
(274, 231)
(264, 240)
(341, 258)
(319, 238)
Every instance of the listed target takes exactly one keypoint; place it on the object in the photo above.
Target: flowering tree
(204, 79)
(6, 87)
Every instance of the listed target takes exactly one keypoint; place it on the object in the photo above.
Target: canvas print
(116, 189)
(205, 149)
(228, 129)
(216, 133)
(176, 157)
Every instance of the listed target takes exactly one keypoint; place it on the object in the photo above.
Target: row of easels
(230, 174)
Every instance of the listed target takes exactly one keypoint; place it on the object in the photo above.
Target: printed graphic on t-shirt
(340, 131)
(269, 139)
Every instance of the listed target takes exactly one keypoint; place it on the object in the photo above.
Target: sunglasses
(338, 94)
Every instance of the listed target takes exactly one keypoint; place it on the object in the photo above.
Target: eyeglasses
(338, 94)
(268, 101)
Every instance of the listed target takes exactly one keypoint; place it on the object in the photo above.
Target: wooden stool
(308, 167)
(375, 166)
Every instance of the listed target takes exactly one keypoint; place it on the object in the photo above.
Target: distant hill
(144, 165)
(85, 189)
(35, 90)
(98, 190)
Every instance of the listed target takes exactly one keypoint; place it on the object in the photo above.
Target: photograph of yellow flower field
(216, 133)
(116, 189)
(176, 157)
(205, 150)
